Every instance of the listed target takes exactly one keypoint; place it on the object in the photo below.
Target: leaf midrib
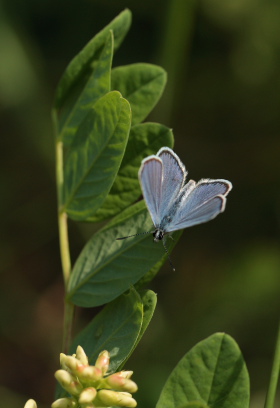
(214, 372)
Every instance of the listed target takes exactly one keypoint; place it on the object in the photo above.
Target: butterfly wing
(202, 203)
(150, 176)
(174, 174)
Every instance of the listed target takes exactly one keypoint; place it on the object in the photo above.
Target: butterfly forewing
(203, 203)
(150, 176)
(174, 175)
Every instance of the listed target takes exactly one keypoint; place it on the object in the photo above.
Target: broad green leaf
(95, 156)
(144, 139)
(106, 267)
(142, 85)
(115, 329)
(213, 372)
(83, 63)
(86, 93)
(149, 299)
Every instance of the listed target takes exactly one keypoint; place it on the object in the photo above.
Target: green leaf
(95, 156)
(144, 139)
(115, 329)
(87, 91)
(142, 85)
(213, 372)
(82, 64)
(149, 299)
(106, 268)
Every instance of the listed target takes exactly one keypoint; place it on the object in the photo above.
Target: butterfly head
(158, 235)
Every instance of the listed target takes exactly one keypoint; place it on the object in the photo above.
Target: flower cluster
(89, 386)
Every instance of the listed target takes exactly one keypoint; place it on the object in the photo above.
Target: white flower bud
(64, 403)
(113, 398)
(61, 360)
(81, 355)
(30, 404)
(125, 374)
(68, 382)
(119, 383)
(103, 361)
(71, 364)
(89, 375)
(87, 395)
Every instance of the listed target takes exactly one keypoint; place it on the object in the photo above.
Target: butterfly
(174, 204)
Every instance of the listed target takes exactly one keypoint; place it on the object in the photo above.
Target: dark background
(222, 101)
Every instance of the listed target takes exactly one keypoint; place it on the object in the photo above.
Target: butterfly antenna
(169, 259)
(135, 235)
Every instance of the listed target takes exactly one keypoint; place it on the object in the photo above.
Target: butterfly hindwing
(204, 202)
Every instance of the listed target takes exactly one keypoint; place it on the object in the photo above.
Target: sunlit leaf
(86, 93)
(144, 139)
(95, 156)
(142, 85)
(106, 267)
(115, 329)
(213, 372)
(82, 64)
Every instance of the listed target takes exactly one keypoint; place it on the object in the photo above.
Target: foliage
(213, 373)
(100, 143)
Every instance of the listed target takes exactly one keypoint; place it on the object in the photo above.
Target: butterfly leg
(166, 250)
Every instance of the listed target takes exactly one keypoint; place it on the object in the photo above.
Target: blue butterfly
(174, 204)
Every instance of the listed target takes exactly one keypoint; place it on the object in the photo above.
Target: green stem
(272, 388)
(64, 246)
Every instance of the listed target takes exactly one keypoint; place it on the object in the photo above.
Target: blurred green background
(222, 101)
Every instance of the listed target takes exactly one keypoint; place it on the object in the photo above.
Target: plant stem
(270, 397)
(66, 268)
(64, 246)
